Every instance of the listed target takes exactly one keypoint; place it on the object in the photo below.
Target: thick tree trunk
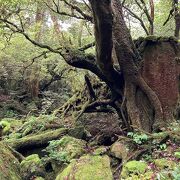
(145, 96)
(159, 71)
(107, 26)
(128, 59)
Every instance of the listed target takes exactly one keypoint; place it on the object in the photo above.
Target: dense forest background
(89, 89)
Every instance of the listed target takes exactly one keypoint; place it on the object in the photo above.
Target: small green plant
(138, 138)
(10, 114)
(65, 149)
(176, 173)
(147, 157)
(162, 146)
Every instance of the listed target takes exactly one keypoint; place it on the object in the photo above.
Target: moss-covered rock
(132, 169)
(9, 165)
(87, 168)
(5, 125)
(64, 150)
(119, 150)
(164, 163)
(9, 125)
(146, 176)
(32, 166)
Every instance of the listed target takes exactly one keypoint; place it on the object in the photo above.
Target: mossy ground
(72, 158)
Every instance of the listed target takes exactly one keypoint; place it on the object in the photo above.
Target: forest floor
(92, 148)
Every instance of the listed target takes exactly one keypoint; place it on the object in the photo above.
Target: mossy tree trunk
(137, 87)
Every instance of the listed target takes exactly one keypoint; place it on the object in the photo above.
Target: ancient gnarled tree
(141, 75)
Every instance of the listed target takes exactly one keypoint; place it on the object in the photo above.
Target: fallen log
(36, 140)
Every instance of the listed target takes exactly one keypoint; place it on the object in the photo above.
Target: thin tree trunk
(35, 71)
(177, 18)
(151, 27)
(57, 28)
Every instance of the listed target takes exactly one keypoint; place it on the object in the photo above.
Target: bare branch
(57, 10)
(144, 8)
(138, 18)
(86, 16)
(16, 29)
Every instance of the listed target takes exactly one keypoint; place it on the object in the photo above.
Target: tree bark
(176, 17)
(151, 27)
(128, 59)
(112, 29)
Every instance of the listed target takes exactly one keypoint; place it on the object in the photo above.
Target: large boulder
(87, 168)
(9, 165)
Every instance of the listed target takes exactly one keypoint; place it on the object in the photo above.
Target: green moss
(132, 168)
(159, 135)
(36, 124)
(151, 38)
(9, 165)
(146, 176)
(34, 158)
(65, 149)
(87, 168)
(177, 155)
(5, 126)
(100, 151)
(9, 125)
(31, 165)
(164, 163)
(38, 178)
(36, 139)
